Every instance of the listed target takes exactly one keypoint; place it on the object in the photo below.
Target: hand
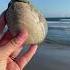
(11, 46)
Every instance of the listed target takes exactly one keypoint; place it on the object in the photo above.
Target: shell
(23, 15)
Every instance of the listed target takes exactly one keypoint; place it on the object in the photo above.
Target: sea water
(59, 31)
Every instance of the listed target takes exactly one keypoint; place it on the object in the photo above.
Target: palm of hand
(11, 65)
(8, 46)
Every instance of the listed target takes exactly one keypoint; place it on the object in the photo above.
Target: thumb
(16, 42)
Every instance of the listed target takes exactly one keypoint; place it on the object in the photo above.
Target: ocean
(59, 31)
(54, 52)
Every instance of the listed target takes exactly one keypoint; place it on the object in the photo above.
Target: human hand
(8, 46)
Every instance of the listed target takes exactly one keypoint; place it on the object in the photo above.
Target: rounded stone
(23, 15)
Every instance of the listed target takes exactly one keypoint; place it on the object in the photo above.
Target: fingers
(16, 42)
(2, 21)
(6, 38)
(11, 65)
(27, 56)
(16, 53)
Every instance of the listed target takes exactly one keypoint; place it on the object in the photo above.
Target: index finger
(23, 61)
(2, 21)
(16, 42)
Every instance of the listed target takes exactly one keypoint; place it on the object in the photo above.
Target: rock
(22, 15)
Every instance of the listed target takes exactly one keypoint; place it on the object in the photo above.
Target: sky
(50, 8)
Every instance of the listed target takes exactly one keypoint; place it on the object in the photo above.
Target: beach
(50, 57)
(54, 52)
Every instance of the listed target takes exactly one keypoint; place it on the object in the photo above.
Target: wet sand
(50, 57)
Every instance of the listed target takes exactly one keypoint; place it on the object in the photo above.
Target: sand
(50, 57)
